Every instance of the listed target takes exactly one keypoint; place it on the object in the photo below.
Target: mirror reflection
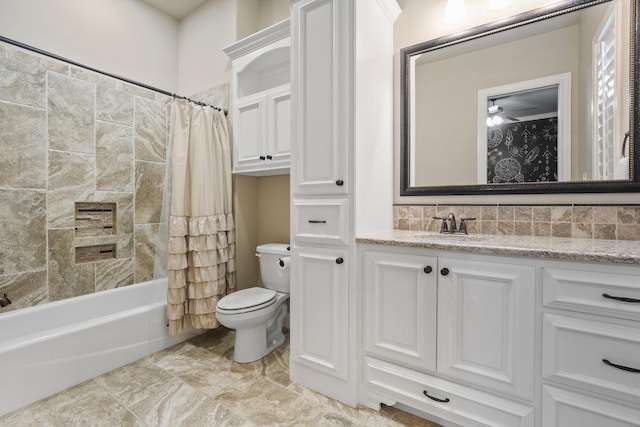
(542, 102)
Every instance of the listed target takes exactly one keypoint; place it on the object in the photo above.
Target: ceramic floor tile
(265, 403)
(197, 368)
(84, 404)
(197, 383)
(137, 381)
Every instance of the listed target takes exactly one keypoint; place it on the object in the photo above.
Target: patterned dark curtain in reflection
(525, 151)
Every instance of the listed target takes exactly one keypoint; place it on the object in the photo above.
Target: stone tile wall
(576, 221)
(71, 135)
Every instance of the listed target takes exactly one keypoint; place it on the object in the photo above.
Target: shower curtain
(201, 236)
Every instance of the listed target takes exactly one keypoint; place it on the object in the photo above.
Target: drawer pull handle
(623, 299)
(339, 260)
(445, 400)
(339, 183)
(269, 157)
(444, 271)
(624, 368)
(428, 269)
(317, 221)
(262, 158)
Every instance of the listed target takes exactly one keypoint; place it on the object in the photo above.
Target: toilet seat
(246, 300)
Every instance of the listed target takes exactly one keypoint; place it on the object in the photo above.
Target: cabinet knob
(339, 260)
(428, 269)
(444, 271)
(269, 157)
(262, 158)
(339, 183)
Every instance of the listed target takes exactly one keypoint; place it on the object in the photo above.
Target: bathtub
(47, 348)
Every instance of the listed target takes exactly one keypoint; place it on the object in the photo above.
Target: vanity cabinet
(335, 43)
(433, 321)
(261, 103)
(591, 345)
(478, 339)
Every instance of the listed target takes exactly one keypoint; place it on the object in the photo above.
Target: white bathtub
(47, 348)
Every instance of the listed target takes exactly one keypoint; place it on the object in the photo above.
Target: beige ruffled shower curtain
(201, 267)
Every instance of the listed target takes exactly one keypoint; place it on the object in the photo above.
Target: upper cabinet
(323, 111)
(261, 102)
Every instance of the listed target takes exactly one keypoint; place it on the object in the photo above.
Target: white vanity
(501, 330)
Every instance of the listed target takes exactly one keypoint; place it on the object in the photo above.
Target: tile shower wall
(71, 135)
(575, 221)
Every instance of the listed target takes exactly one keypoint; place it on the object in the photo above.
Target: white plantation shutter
(605, 100)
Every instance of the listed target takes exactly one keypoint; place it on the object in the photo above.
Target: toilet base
(252, 344)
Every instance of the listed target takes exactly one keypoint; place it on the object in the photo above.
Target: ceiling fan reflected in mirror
(495, 114)
(524, 105)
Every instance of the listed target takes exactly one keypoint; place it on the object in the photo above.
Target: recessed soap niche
(95, 219)
(95, 253)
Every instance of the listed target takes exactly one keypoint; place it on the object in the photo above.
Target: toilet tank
(274, 273)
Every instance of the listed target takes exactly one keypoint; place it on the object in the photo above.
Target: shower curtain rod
(104, 73)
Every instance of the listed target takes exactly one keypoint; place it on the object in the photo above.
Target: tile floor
(196, 383)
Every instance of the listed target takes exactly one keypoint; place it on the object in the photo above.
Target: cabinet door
(249, 134)
(320, 93)
(486, 324)
(279, 127)
(399, 304)
(319, 313)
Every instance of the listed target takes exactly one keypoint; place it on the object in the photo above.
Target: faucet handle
(463, 224)
(443, 228)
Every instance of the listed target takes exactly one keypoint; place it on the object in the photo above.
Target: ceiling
(177, 9)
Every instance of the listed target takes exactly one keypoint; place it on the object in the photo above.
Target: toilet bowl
(258, 314)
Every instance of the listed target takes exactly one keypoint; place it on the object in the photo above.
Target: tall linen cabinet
(341, 177)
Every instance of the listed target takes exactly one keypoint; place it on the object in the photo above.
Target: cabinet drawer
(561, 408)
(321, 221)
(575, 351)
(612, 293)
(458, 404)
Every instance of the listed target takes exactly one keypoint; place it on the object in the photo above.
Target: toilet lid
(247, 298)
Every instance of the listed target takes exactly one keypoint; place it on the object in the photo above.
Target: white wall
(201, 36)
(216, 25)
(134, 40)
(127, 38)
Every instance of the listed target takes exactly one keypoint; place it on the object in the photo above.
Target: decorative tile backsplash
(576, 221)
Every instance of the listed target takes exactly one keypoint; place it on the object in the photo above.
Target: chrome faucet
(449, 225)
(4, 301)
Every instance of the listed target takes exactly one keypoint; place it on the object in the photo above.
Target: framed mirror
(543, 102)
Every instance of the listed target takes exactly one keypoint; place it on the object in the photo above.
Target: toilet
(258, 314)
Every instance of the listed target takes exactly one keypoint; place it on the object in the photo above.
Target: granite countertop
(593, 250)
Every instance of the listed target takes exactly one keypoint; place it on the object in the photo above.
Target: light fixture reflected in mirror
(498, 4)
(455, 11)
(494, 114)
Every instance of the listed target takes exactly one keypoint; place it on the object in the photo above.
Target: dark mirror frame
(632, 185)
